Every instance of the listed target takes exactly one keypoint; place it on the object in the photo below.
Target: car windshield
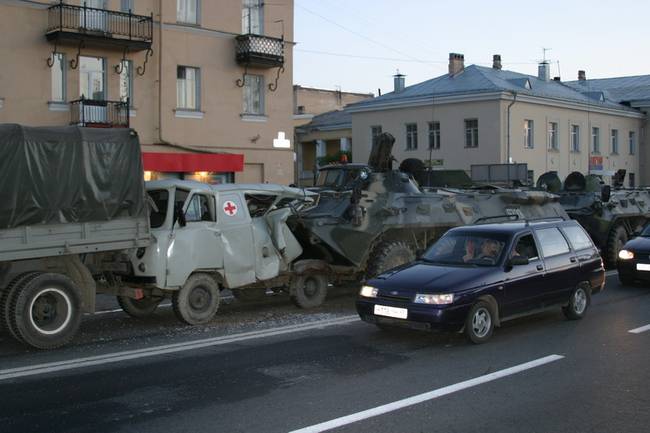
(337, 177)
(646, 231)
(467, 249)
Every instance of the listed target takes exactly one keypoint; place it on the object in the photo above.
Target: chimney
(456, 63)
(496, 61)
(544, 71)
(398, 82)
(582, 76)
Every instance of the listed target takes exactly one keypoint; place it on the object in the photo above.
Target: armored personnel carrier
(611, 215)
(371, 218)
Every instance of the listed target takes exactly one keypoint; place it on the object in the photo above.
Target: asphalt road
(302, 371)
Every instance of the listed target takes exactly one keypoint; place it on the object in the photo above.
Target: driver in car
(489, 250)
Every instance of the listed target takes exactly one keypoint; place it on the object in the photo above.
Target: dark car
(475, 277)
(634, 258)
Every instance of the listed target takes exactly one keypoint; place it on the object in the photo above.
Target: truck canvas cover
(51, 175)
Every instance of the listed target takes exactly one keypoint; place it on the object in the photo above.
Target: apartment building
(207, 85)
(479, 115)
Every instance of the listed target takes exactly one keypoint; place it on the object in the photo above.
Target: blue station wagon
(475, 277)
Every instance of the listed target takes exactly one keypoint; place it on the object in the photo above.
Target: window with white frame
(614, 141)
(187, 11)
(375, 132)
(553, 137)
(632, 142)
(529, 134)
(252, 17)
(434, 135)
(126, 81)
(595, 140)
(471, 132)
(127, 5)
(411, 136)
(253, 94)
(187, 88)
(58, 78)
(575, 138)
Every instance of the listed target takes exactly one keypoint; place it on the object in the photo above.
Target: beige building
(322, 127)
(209, 83)
(480, 115)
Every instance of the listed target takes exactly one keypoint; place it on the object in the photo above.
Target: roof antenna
(544, 50)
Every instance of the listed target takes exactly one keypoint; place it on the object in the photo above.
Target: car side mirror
(519, 261)
(179, 215)
(605, 193)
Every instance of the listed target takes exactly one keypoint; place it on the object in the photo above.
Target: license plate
(642, 267)
(383, 310)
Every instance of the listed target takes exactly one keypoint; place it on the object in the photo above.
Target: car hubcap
(481, 322)
(199, 299)
(50, 311)
(311, 287)
(579, 301)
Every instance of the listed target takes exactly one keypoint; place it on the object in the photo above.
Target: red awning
(191, 162)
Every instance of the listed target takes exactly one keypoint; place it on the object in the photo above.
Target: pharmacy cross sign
(230, 208)
(281, 142)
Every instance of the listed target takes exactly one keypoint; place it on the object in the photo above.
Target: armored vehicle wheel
(249, 295)
(197, 301)
(617, 238)
(388, 255)
(308, 291)
(45, 310)
(139, 308)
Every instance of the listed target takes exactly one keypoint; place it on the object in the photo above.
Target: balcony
(93, 113)
(98, 27)
(259, 51)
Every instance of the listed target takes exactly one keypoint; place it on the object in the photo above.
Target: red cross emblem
(230, 208)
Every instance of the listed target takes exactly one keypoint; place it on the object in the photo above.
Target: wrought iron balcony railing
(71, 22)
(99, 114)
(260, 51)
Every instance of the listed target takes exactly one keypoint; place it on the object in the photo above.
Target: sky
(358, 45)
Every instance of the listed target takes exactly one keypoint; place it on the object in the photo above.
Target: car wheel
(309, 291)
(479, 324)
(197, 301)
(139, 308)
(578, 304)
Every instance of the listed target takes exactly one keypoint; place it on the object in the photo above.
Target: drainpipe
(514, 99)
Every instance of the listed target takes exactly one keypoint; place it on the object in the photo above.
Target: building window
(252, 17)
(126, 5)
(187, 11)
(614, 141)
(434, 135)
(411, 136)
(187, 88)
(253, 94)
(575, 138)
(632, 141)
(595, 140)
(471, 132)
(529, 134)
(553, 142)
(126, 81)
(92, 78)
(58, 78)
(375, 132)
(630, 176)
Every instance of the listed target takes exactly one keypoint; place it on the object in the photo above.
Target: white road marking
(410, 401)
(610, 273)
(639, 330)
(72, 364)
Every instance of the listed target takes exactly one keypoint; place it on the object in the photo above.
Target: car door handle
(573, 259)
(540, 267)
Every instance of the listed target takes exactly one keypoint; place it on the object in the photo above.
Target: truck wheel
(7, 293)
(197, 301)
(389, 255)
(139, 308)
(615, 241)
(249, 295)
(309, 291)
(45, 310)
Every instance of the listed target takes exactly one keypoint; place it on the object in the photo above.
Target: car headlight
(625, 255)
(368, 292)
(437, 299)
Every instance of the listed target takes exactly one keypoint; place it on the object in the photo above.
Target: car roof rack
(509, 217)
(544, 219)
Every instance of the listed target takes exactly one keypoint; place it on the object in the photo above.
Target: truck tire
(388, 255)
(139, 308)
(615, 241)
(197, 301)
(6, 294)
(45, 310)
(309, 290)
(249, 295)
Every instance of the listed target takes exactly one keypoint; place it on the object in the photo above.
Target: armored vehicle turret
(611, 215)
